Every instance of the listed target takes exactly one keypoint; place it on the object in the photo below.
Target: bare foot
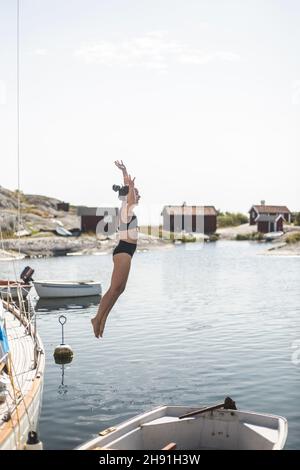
(96, 326)
(102, 325)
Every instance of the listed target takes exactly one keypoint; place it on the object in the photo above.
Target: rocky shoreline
(284, 249)
(40, 219)
(49, 246)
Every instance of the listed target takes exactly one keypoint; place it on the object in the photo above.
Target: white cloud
(152, 50)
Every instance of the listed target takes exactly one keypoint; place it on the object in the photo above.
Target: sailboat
(22, 359)
(22, 364)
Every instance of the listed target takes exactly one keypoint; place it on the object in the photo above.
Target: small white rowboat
(273, 236)
(180, 427)
(51, 289)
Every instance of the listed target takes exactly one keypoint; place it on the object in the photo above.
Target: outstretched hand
(120, 165)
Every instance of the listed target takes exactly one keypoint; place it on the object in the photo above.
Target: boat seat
(269, 434)
(170, 446)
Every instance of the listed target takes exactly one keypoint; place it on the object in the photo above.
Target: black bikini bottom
(125, 247)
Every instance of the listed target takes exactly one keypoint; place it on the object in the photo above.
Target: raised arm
(129, 203)
(131, 198)
(122, 167)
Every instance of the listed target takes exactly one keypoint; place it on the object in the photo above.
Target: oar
(228, 404)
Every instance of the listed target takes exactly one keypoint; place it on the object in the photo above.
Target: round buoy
(33, 442)
(63, 354)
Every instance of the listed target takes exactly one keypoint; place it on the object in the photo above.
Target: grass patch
(296, 218)
(187, 239)
(35, 211)
(293, 238)
(214, 237)
(8, 234)
(231, 219)
(252, 236)
(42, 234)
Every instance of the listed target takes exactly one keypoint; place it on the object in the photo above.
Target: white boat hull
(273, 236)
(56, 289)
(22, 425)
(26, 350)
(218, 429)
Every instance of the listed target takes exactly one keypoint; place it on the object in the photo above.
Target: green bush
(296, 217)
(254, 236)
(214, 237)
(243, 236)
(257, 236)
(188, 239)
(293, 238)
(231, 219)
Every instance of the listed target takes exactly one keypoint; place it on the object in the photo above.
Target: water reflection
(62, 388)
(66, 303)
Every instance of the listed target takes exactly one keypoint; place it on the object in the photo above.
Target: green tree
(297, 218)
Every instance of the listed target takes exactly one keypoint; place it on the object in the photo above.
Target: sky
(200, 98)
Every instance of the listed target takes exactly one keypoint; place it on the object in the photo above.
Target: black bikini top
(132, 224)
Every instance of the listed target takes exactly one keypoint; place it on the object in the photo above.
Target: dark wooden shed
(264, 210)
(63, 206)
(100, 220)
(270, 223)
(191, 219)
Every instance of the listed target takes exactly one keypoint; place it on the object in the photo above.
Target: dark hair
(123, 190)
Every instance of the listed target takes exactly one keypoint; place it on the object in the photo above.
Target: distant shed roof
(268, 218)
(270, 209)
(189, 210)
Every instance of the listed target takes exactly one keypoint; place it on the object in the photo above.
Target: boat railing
(24, 311)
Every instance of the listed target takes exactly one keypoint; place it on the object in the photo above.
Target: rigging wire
(18, 133)
(18, 112)
(11, 367)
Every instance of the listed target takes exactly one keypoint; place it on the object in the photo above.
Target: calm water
(191, 328)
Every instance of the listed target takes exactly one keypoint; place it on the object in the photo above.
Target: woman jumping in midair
(123, 252)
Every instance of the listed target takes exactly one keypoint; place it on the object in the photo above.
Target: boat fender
(33, 442)
(63, 354)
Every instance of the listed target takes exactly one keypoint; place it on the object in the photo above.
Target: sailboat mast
(18, 118)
